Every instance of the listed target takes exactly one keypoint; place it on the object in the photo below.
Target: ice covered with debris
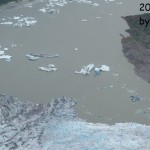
(85, 70)
(49, 68)
(56, 126)
(46, 55)
(19, 21)
(135, 98)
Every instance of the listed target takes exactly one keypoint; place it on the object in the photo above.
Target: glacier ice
(56, 126)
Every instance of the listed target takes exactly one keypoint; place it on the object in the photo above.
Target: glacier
(56, 126)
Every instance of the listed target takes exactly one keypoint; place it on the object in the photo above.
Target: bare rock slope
(136, 47)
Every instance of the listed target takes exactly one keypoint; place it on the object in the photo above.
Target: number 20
(145, 7)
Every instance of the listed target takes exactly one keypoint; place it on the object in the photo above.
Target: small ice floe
(6, 57)
(19, 21)
(132, 91)
(85, 70)
(115, 74)
(102, 68)
(135, 98)
(49, 68)
(98, 17)
(13, 45)
(26, 21)
(16, 17)
(97, 71)
(7, 23)
(84, 20)
(46, 55)
(1, 52)
(42, 10)
(105, 68)
(76, 49)
(94, 4)
(5, 49)
(32, 57)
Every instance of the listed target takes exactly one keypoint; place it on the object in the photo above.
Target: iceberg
(49, 68)
(85, 70)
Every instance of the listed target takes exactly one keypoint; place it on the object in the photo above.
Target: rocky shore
(136, 47)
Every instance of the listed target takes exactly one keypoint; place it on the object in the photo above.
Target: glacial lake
(81, 34)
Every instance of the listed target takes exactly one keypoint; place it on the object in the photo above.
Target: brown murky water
(105, 98)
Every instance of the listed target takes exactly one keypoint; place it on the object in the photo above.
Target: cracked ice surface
(55, 126)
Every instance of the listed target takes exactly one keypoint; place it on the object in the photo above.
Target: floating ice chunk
(26, 21)
(135, 98)
(46, 55)
(115, 74)
(49, 68)
(59, 4)
(32, 57)
(76, 49)
(42, 10)
(98, 17)
(105, 68)
(84, 20)
(7, 23)
(13, 45)
(85, 70)
(6, 57)
(94, 4)
(16, 17)
(97, 71)
(5, 49)
(30, 22)
(1, 52)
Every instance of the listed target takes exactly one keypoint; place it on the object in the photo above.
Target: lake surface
(95, 31)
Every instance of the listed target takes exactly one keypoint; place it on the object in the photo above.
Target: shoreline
(136, 47)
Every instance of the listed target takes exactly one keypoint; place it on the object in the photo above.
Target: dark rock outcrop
(136, 47)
